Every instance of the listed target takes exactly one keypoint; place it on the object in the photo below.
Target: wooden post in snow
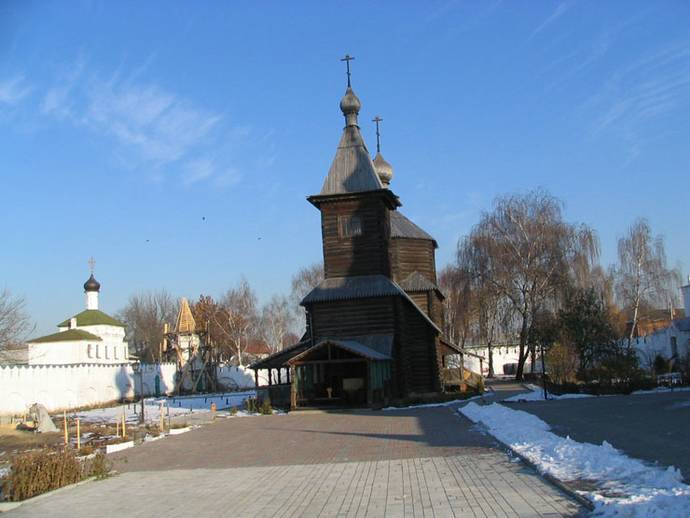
(64, 425)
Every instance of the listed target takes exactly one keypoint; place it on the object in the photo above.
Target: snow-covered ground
(172, 406)
(626, 487)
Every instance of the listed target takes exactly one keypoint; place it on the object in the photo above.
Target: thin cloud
(560, 10)
(13, 90)
(159, 124)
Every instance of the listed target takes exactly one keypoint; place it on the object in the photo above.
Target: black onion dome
(92, 284)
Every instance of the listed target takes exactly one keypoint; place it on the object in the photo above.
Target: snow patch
(112, 448)
(536, 393)
(626, 487)
(172, 406)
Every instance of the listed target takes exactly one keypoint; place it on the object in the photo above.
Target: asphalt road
(651, 427)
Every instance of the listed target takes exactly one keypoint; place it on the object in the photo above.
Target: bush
(34, 473)
(266, 408)
(99, 466)
(252, 405)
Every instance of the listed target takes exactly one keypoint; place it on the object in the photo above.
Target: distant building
(670, 341)
(88, 337)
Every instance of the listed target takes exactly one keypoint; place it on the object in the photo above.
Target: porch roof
(352, 346)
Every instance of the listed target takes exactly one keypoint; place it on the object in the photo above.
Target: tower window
(349, 226)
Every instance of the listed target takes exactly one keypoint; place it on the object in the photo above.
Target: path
(421, 462)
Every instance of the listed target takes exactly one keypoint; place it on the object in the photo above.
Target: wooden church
(374, 324)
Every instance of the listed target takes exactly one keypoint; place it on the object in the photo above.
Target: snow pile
(625, 486)
(537, 394)
(432, 405)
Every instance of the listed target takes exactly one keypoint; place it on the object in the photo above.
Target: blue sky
(176, 141)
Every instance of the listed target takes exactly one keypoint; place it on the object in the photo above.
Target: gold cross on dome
(92, 264)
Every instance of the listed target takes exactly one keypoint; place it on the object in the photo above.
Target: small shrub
(86, 450)
(266, 408)
(99, 466)
(233, 410)
(37, 472)
(252, 405)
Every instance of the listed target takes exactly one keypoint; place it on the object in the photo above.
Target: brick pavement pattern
(422, 462)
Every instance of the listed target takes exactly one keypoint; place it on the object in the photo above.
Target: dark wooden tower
(374, 323)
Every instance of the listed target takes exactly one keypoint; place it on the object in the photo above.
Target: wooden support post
(293, 391)
(161, 418)
(279, 380)
(78, 436)
(270, 377)
(256, 378)
(117, 428)
(64, 425)
(124, 424)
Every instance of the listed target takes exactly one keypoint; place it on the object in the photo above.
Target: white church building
(88, 337)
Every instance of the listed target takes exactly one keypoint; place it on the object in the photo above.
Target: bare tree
(239, 305)
(524, 252)
(457, 305)
(276, 322)
(642, 277)
(305, 280)
(15, 323)
(145, 314)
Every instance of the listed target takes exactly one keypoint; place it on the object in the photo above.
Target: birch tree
(523, 251)
(239, 306)
(276, 322)
(642, 277)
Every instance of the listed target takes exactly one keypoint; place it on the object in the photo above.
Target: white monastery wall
(70, 386)
(502, 355)
(61, 387)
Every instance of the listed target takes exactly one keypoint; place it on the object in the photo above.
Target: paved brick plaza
(423, 462)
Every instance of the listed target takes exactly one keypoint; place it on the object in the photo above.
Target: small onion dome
(383, 169)
(92, 284)
(350, 103)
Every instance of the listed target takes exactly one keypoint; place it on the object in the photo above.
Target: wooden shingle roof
(402, 227)
(185, 320)
(352, 169)
(416, 282)
(360, 287)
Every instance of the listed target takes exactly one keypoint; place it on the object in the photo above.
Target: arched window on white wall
(115, 355)
(106, 351)
(98, 350)
(89, 350)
